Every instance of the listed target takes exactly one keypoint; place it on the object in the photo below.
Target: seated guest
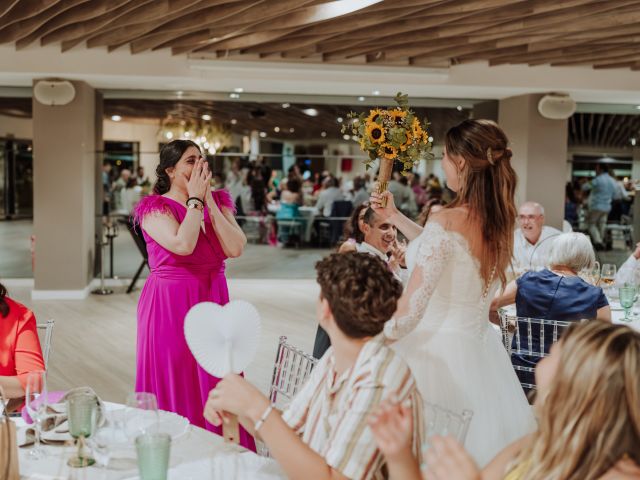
(330, 193)
(533, 240)
(630, 269)
(323, 434)
(292, 191)
(360, 194)
(288, 217)
(555, 294)
(20, 353)
(588, 428)
(353, 229)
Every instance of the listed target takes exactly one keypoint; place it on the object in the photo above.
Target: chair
(138, 238)
(525, 337)
(330, 229)
(290, 370)
(47, 328)
(442, 421)
(289, 224)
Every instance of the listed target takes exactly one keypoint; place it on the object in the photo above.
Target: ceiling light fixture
(312, 112)
(291, 130)
(638, 107)
(276, 129)
(633, 142)
(323, 134)
(233, 121)
(339, 119)
(361, 99)
(346, 137)
(263, 134)
(116, 118)
(376, 92)
(286, 105)
(234, 95)
(459, 108)
(430, 139)
(238, 89)
(206, 117)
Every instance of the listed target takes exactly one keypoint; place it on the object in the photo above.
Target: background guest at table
(360, 193)
(20, 353)
(557, 293)
(188, 241)
(292, 191)
(253, 197)
(588, 428)
(629, 272)
(353, 233)
(330, 193)
(323, 433)
(532, 242)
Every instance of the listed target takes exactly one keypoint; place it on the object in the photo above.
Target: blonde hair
(590, 418)
(487, 187)
(573, 250)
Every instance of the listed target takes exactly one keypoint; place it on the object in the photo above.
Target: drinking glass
(141, 415)
(627, 299)
(608, 275)
(82, 414)
(36, 404)
(153, 450)
(591, 275)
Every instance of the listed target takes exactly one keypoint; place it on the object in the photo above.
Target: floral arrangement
(391, 134)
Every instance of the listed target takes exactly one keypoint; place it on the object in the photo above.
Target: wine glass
(141, 415)
(36, 404)
(591, 275)
(627, 297)
(107, 438)
(608, 275)
(82, 414)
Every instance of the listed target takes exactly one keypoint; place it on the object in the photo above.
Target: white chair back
(47, 333)
(442, 421)
(290, 370)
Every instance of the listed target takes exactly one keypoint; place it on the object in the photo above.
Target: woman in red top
(20, 351)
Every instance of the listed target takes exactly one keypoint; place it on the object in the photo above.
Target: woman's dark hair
(169, 156)
(352, 227)
(4, 306)
(294, 185)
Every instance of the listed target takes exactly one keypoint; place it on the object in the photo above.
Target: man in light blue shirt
(603, 188)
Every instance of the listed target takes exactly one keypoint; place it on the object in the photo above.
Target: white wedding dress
(455, 354)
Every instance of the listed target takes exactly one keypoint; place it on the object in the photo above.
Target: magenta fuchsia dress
(165, 365)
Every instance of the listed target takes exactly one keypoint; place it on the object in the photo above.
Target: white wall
(145, 133)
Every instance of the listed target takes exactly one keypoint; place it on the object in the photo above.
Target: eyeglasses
(528, 218)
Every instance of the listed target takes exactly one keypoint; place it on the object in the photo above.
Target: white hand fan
(223, 339)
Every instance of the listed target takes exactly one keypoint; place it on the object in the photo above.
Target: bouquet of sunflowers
(391, 134)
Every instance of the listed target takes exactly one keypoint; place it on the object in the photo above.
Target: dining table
(307, 214)
(195, 454)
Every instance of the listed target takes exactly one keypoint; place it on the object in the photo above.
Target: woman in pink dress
(189, 231)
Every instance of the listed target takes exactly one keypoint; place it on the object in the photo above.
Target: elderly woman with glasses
(556, 293)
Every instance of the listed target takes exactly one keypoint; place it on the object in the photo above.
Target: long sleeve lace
(434, 251)
(626, 273)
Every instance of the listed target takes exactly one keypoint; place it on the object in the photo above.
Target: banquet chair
(442, 421)
(517, 337)
(47, 329)
(290, 370)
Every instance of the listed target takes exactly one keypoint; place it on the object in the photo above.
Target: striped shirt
(330, 414)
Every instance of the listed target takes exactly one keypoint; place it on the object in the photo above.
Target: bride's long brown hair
(487, 187)
(590, 418)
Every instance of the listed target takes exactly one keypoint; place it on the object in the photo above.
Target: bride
(458, 261)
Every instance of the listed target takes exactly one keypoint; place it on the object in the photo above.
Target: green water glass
(82, 411)
(627, 297)
(153, 450)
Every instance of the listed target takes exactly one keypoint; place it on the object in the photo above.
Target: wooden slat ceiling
(431, 33)
(248, 115)
(603, 130)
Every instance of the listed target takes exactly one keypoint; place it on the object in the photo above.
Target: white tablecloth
(196, 455)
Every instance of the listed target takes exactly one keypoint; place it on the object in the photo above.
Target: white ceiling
(161, 71)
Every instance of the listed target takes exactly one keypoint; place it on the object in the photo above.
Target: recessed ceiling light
(233, 121)
(361, 99)
(169, 135)
(276, 129)
(430, 139)
(354, 138)
(291, 130)
(263, 134)
(234, 95)
(376, 92)
(323, 134)
(459, 108)
(312, 112)
(339, 119)
(116, 118)
(286, 105)
(206, 117)
(633, 142)
(179, 93)
(238, 89)
(346, 137)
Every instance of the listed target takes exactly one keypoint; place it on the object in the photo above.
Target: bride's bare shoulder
(455, 218)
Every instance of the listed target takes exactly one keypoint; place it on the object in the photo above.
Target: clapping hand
(392, 427)
(397, 258)
(446, 459)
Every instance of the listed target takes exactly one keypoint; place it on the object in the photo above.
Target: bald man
(533, 240)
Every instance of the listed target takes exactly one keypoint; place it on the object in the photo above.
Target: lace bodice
(445, 289)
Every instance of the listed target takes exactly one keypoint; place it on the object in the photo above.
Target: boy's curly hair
(361, 291)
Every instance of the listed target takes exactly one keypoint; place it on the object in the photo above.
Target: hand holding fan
(223, 339)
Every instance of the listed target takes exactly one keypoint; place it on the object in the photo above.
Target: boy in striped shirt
(323, 434)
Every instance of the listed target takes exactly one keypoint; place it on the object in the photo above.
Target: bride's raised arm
(408, 227)
(434, 251)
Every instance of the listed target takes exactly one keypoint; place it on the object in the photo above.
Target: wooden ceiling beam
(624, 132)
(17, 10)
(616, 55)
(599, 129)
(607, 130)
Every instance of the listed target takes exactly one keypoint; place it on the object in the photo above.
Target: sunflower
(408, 142)
(397, 116)
(375, 133)
(374, 114)
(388, 151)
(416, 128)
